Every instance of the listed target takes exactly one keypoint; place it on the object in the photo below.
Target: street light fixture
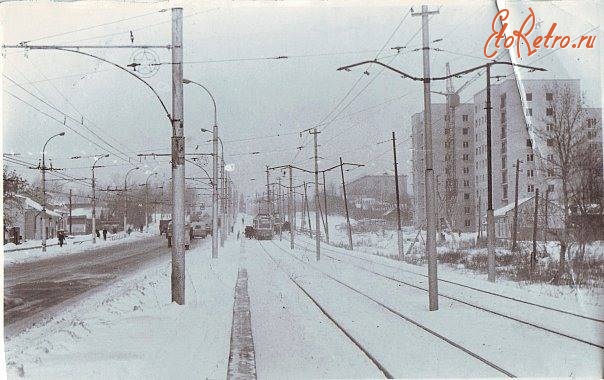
(44, 232)
(215, 170)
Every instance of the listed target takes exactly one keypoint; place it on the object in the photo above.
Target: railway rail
(404, 317)
(482, 308)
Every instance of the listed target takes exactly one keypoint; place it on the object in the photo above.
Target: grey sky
(256, 98)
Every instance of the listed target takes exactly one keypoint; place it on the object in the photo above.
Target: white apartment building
(453, 163)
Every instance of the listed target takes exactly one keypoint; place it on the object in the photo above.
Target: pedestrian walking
(61, 236)
(105, 233)
(98, 234)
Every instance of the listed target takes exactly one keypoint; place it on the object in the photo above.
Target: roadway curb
(242, 359)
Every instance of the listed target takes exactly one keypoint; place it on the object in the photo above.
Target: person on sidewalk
(61, 236)
(105, 233)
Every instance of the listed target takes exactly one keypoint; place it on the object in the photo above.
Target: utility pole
(535, 216)
(281, 213)
(546, 231)
(215, 191)
(429, 175)
(315, 133)
(346, 206)
(515, 225)
(291, 204)
(326, 213)
(70, 209)
(268, 194)
(222, 203)
(479, 218)
(178, 162)
(307, 211)
(399, 231)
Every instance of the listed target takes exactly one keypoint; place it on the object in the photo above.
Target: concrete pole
(215, 192)
(490, 212)
(290, 205)
(70, 209)
(429, 175)
(346, 206)
(535, 235)
(93, 208)
(178, 162)
(222, 202)
(315, 133)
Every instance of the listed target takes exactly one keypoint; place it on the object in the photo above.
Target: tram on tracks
(263, 227)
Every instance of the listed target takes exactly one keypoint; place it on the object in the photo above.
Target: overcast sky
(256, 98)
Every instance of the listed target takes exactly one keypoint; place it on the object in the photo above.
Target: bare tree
(565, 136)
(13, 185)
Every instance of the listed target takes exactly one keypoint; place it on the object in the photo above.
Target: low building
(26, 220)
(371, 196)
(504, 220)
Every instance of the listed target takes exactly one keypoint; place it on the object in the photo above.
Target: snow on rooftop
(509, 207)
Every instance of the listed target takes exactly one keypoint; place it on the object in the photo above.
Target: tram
(263, 227)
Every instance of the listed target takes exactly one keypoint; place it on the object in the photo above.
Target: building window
(549, 111)
(464, 117)
(502, 101)
(550, 157)
(465, 131)
(466, 196)
(550, 173)
(466, 170)
(529, 96)
(549, 96)
(466, 183)
(530, 173)
(550, 142)
(466, 157)
(550, 188)
(591, 122)
(504, 189)
(504, 176)
(504, 162)
(549, 127)
(465, 144)
(467, 209)
(529, 112)
(503, 146)
(503, 136)
(530, 188)
(467, 222)
(503, 117)
(529, 143)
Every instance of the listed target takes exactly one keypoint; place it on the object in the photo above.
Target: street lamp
(215, 170)
(125, 195)
(147, 201)
(44, 232)
(215, 141)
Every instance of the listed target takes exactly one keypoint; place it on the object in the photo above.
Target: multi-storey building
(453, 149)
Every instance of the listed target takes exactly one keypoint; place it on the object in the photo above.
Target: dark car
(249, 232)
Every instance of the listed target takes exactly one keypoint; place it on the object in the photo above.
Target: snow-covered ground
(132, 330)
(383, 243)
(72, 245)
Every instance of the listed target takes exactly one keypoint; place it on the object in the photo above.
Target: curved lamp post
(44, 232)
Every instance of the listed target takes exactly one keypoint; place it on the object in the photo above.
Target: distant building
(27, 216)
(374, 195)
(453, 165)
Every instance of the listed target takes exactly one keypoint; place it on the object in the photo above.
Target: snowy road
(45, 284)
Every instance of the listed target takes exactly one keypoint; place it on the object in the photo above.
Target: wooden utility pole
(326, 213)
(429, 175)
(268, 194)
(315, 134)
(535, 216)
(178, 162)
(399, 232)
(515, 225)
(546, 228)
(346, 206)
(307, 211)
(490, 212)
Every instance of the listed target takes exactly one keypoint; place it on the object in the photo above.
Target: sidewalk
(74, 244)
(132, 330)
